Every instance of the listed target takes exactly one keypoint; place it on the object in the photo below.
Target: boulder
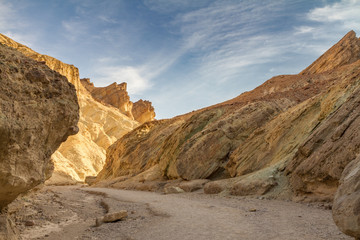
(38, 111)
(115, 216)
(346, 205)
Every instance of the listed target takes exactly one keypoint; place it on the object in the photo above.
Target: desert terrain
(281, 161)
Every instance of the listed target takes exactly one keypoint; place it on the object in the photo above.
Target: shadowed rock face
(117, 96)
(286, 133)
(333, 142)
(99, 126)
(39, 110)
(346, 206)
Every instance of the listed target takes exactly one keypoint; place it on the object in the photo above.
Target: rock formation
(346, 207)
(143, 111)
(39, 110)
(99, 126)
(283, 138)
(346, 51)
(117, 96)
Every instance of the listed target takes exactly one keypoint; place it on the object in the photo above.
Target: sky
(181, 55)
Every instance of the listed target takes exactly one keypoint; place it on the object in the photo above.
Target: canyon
(294, 138)
(100, 124)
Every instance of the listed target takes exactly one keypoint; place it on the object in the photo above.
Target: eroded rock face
(99, 126)
(117, 96)
(320, 160)
(346, 206)
(143, 111)
(289, 133)
(39, 110)
(114, 94)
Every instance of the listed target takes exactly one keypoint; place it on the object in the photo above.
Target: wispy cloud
(346, 13)
(304, 29)
(13, 25)
(166, 6)
(74, 28)
(230, 36)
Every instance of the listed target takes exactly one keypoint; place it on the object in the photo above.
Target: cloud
(132, 76)
(304, 29)
(14, 26)
(345, 12)
(229, 36)
(74, 28)
(7, 14)
(166, 6)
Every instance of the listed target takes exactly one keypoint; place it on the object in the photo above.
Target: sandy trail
(70, 212)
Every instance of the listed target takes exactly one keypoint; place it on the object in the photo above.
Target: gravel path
(70, 212)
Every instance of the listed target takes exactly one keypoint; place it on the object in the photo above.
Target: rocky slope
(39, 110)
(117, 96)
(283, 138)
(99, 126)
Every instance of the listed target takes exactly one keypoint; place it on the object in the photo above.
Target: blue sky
(181, 55)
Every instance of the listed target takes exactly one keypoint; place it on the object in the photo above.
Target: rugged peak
(346, 51)
(116, 95)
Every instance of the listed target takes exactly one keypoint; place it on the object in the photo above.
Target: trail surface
(70, 212)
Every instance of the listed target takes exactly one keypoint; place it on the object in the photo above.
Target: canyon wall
(285, 138)
(39, 110)
(99, 126)
(117, 96)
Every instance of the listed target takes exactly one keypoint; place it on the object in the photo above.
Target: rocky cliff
(39, 110)
(99, 126)
(283, 138)
(117, 96)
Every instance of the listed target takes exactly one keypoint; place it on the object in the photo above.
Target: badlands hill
(100, 125)
(291, 137)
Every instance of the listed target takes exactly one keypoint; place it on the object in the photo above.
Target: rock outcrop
(117, 96)
(283, 138)
(39, 110)
(114, 94)
(346, 206)
(346, 51)
(99, 126)
(143, 111)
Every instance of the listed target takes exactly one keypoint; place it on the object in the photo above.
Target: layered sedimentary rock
(39, 110)
(346, 206)
(333, 142)
(117, 96)
(99, 126)
(285, 134)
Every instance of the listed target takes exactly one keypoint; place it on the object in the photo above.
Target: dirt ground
(69, 212)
